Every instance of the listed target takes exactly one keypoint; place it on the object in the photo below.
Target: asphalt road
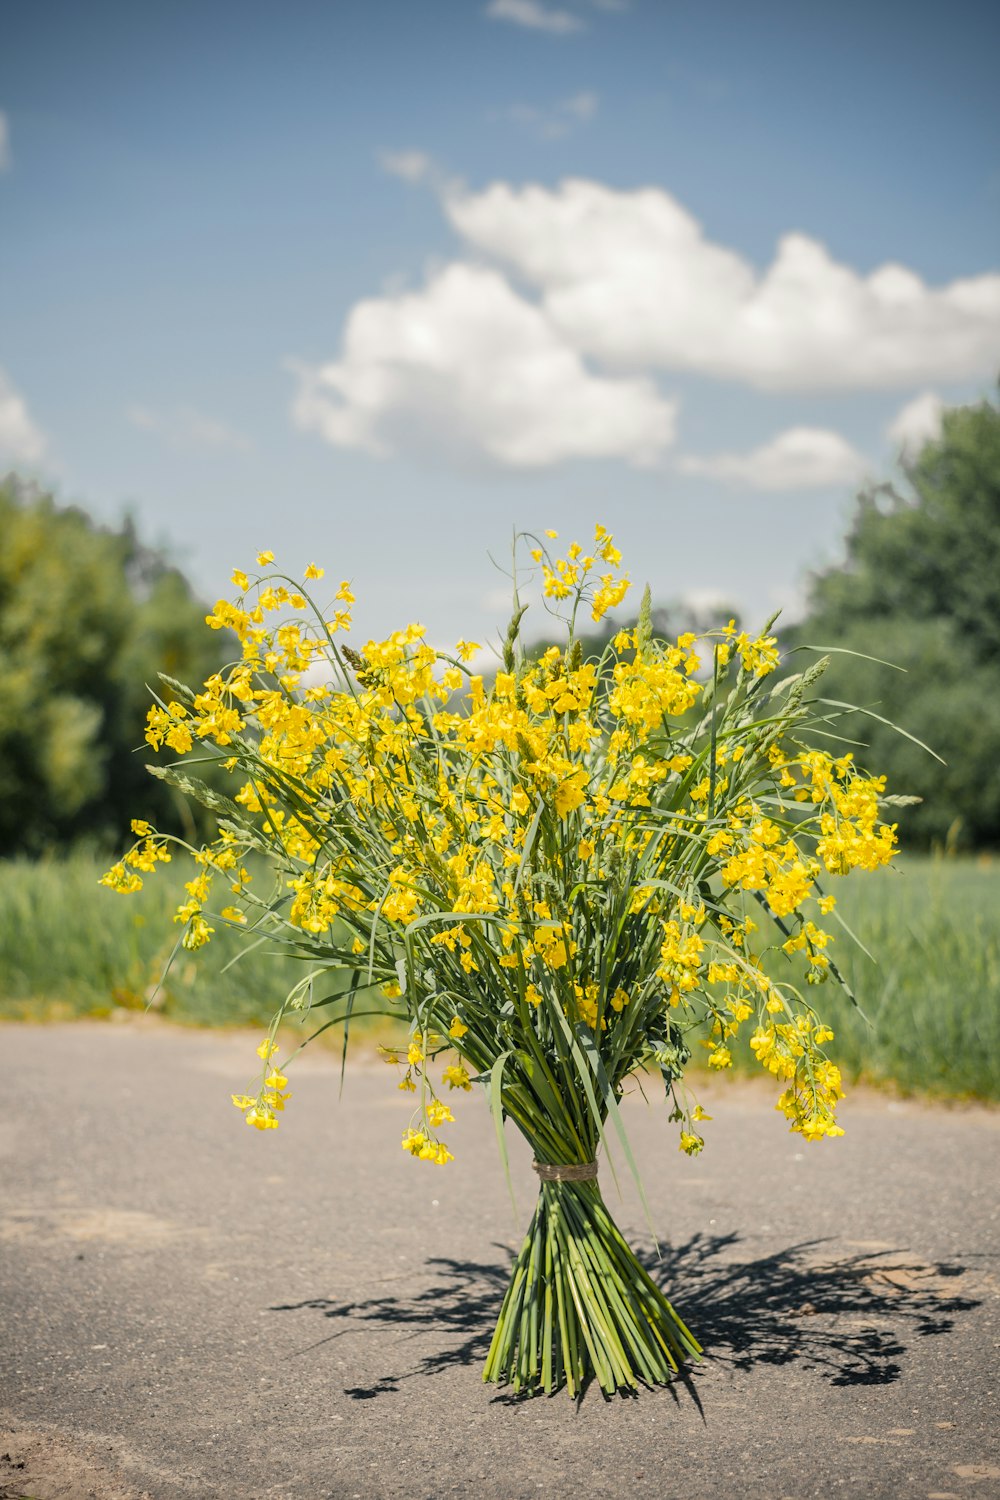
(192, 1309)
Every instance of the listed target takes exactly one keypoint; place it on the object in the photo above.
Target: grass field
(70, 948)
(932, 999)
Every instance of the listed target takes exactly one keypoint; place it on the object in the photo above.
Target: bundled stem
(580, 1303)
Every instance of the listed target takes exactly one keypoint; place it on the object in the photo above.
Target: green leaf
(496, 1109)
(844, 651)
(528, 842)
(611, 1103)
(870, 714)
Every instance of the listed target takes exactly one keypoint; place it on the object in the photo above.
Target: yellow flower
(263, 558)
(267, 1049)
(609, 595)
(197, 933)
(457, 1029)
(759, 656)
(569, 794)
(312, 571)
(118, 878)
(241, 580)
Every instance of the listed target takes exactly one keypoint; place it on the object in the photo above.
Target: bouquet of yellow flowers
(552, 877)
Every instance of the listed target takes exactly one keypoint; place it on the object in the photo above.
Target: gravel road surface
(193, 1309)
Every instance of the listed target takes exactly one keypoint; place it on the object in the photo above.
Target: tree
(920, 587)
(88, 618)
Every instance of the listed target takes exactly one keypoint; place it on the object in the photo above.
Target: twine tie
(578, 1171)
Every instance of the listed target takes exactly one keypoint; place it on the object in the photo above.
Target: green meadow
(929, 1017)
(70, 947)
(928, 999)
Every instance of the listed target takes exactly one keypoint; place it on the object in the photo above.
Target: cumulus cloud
(21, 442)
(534, 15)
(185, 428)
(4, 142)
(466, 367)
(916, 423)
(801, 458)
(554, 122)
(631, 278)
(544, 350)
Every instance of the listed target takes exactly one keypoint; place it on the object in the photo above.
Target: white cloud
(4, 142)
(464, 368)
(185, 428)
(555, 121)
(534, 15)
(411, 166)
(582, 105)
(801, 458)
(21, 442)
(419, 169)
(631, 278)
(916, 423)
(499, 600)
(705, 600)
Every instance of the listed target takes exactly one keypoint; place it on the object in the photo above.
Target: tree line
(920, 589)
(89, 617)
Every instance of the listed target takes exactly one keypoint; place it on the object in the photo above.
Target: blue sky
(372, 282)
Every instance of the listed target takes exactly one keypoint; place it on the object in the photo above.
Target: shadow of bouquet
(846, 1316)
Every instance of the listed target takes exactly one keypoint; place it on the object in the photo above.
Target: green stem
(580, 1304)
